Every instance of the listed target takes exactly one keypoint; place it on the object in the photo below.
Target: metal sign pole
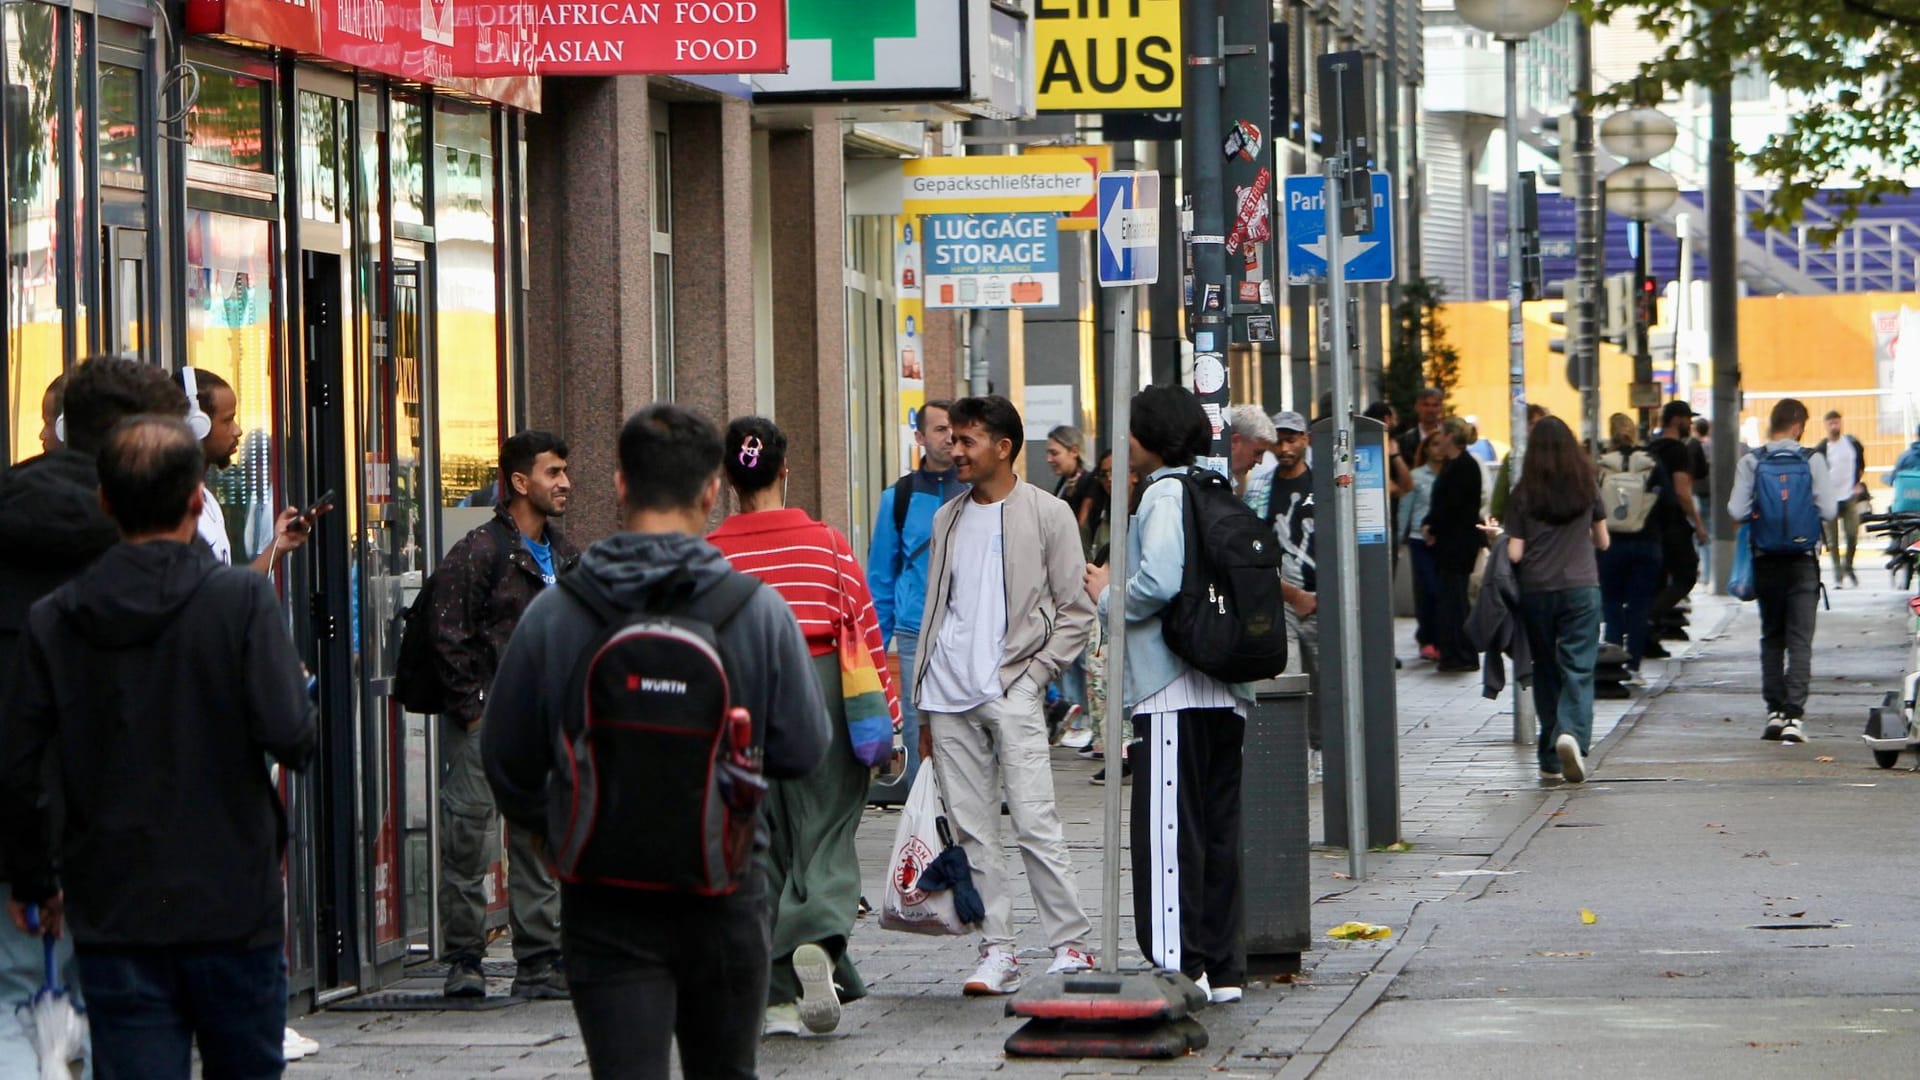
(1120, 305)
(1347, 558)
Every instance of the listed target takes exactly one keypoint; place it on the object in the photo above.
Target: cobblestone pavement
(1469, 797)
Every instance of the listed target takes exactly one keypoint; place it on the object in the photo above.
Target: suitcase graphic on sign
(1027, 291)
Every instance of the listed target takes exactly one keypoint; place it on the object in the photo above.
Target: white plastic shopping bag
(915, 844)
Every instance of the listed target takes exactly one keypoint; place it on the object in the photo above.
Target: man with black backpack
(1781, 492)
(633, 721)
(897, 556)
(473, 603)
(1006, 613)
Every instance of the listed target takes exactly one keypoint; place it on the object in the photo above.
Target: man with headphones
(213, 411)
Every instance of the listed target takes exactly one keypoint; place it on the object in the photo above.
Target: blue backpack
(1786, 520)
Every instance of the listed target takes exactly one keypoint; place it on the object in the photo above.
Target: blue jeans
(1426, 586)
(1071, 684)
(909, 647)
(147, 1008)
(22, 970)
(1563, 627)
(1630, 573)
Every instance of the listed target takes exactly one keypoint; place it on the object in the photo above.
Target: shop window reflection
(466, 318)
(120, 120)
(36, 349)
(229, 332)
(228, 122)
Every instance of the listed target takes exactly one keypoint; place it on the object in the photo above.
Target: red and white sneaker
(1068, 960)
(997, 975)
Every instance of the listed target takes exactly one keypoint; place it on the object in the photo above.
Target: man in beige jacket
(1006, 611)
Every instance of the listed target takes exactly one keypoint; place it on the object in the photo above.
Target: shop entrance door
(401, 790)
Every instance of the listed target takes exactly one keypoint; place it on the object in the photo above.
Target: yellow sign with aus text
(1096, 55)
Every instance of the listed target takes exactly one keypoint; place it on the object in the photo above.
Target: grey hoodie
(775, 683)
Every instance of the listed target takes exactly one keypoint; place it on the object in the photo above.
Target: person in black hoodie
(51, 528)
(647, 966)
(1453, 534)
(160, 682)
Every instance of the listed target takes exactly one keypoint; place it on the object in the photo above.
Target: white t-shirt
(213, 526)
(1840, 469)
(964, 671)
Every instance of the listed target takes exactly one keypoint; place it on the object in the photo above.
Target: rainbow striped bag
(869, 719)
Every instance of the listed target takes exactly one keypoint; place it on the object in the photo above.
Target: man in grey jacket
(645, 967)
(1006, 611)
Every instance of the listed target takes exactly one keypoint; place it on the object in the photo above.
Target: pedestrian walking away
(1633, 484)
(1452, 532)
(1185, 837)
(1555, 524)
(160, 682)
(651, 966)
(52, 528)
(1846, 475)
(897, 556)
(1682, 528)
(1782, 492)
(813, 872)
(1006, 611)
(477, 598)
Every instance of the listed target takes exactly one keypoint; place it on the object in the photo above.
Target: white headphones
(197, 420)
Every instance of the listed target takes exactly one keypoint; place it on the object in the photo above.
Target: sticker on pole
(1368, 257)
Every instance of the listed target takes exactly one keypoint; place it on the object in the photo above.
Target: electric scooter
(1893, 725)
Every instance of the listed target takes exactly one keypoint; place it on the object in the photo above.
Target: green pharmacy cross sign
(854, 27)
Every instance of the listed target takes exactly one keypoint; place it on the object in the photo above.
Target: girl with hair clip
(814, 873)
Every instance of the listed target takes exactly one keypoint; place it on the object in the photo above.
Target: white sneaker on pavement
(294, 1046)
(1223, 995)
(1573, 765)
(997, 975)
(819, 1005)
(1776, 724)
(1077, 738)
(1068, 960)
(783, 1020)
(1790, 732)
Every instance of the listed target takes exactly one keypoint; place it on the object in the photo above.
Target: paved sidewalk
(1467, 793)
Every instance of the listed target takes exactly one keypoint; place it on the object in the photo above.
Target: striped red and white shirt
(811, 565)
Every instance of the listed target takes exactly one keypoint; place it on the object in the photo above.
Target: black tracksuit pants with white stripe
(1187, 905)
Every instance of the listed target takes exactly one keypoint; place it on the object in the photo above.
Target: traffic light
(1647, 303)
(1527, 206)
(1616, 311)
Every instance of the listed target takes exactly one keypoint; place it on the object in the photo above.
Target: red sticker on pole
(1252, 220)
(642, 37)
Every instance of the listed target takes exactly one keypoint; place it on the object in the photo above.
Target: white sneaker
(783, 1020)
(1790, 732)
(1224, 995)
(1068, 960)
(294, 1046)
(1077, 738)
(819, 1005)
(1573, 766)
(997, 975)
(1776, 724)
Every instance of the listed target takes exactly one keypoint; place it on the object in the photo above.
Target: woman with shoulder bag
(1555, 525)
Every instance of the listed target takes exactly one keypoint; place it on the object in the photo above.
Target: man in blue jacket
(897, 558)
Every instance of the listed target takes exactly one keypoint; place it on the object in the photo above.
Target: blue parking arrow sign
(1129, 228)
(1368, 257)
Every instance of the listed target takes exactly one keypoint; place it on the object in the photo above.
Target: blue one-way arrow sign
(1368, 257)
(1129, 214)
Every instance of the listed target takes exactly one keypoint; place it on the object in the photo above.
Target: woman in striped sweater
(815, 874)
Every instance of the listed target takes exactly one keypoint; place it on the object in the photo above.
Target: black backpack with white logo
(1228, 620)
(660, 783)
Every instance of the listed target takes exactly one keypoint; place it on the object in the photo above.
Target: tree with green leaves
(1420, 356)
(1853, 65)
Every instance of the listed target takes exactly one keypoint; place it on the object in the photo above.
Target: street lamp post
(1639, 191)
(1512, 22)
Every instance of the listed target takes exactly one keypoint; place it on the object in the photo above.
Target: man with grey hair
(1251, 453)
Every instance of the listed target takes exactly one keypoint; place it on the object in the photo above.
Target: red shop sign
(620, 37)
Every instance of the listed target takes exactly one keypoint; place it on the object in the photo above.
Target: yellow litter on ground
(1359, 931)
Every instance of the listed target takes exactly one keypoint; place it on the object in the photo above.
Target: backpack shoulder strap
(902, 501)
